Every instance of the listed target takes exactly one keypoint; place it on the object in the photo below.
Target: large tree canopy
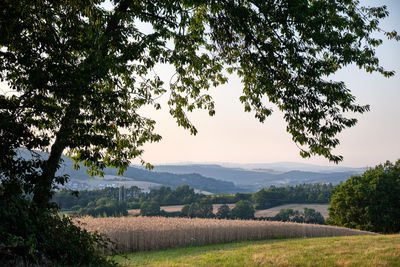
(370, 201)
(80, 70)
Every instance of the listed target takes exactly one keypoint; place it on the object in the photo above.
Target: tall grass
(152, 233)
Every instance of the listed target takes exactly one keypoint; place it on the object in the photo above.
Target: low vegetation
(153, 233)
(379, 250)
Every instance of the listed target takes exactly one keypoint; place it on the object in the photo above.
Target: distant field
(154, 233)
(381, 250)
(322, 208)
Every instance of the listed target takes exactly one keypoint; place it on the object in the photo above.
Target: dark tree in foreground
(79, 72)
(369, 202)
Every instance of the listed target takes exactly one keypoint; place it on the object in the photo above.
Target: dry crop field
(152, 233)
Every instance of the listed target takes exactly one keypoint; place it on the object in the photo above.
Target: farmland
(322, 208)
(175, 208)
(379, 250)
(154, 233)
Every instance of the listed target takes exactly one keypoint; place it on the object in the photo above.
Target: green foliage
(222, 198)
(308, 216)
(224, 212)
(369, 202)
(313, 216)
(200, 209)
(243, 210)
(166, 196)
(67, 199)
(43, 237)
(150, 208)
(104, 207)
(242, 196)
(304, 193)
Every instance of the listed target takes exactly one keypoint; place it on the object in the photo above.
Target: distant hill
(212, 177)
(258, 178)
(194, 180)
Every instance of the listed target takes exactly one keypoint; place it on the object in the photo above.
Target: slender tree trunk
(42, 192)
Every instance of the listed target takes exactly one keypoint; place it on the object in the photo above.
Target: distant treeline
(303, 193)
(116, 201)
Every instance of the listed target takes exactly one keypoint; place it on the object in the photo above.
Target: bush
(369, 202)
(32, 236)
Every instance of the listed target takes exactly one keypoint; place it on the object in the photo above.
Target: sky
(237, 137)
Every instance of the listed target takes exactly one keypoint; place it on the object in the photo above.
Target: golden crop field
(153, 233)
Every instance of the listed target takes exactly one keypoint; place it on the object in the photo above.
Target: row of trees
(303, 193)
(105, 207)
(306, 216)
(71, 200)
(203, 208)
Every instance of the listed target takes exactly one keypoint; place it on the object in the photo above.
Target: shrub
(29, 235)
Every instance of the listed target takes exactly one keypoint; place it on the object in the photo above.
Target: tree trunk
(42, 192)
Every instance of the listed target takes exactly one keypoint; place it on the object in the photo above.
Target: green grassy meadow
(380, 250)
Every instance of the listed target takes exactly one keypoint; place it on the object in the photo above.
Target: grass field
(380, 250)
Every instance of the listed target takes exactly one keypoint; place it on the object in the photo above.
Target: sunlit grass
(381, 250)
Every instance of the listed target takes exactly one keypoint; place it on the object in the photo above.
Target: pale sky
(237, 137)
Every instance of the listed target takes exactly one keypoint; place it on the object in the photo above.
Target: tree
(150, 208)
(369, 202)
(80, 72)
(289, 215)
(224, 212)
(313, 216)
(308, 216)
(200, 209)
(243, 210)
